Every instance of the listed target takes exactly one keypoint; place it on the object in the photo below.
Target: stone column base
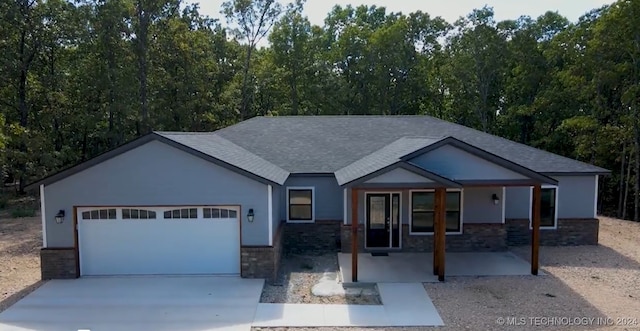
(58, 263)
(262, 261)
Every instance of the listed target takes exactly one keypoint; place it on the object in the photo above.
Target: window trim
(313, 203)
(412, 233)
(555, 214)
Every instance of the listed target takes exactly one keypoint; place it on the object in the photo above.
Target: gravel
(581, 282)
(20, 242)
(299, 273)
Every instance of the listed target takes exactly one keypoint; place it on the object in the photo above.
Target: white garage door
(187, 240)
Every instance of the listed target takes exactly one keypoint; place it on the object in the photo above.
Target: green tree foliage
(80, 77)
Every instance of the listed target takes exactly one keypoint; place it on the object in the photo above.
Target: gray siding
(156, 174)
(275, 205)
(478, 205)
(576, 196)
(399, 176)
(328, 197)
(518, 202)
(451, 162)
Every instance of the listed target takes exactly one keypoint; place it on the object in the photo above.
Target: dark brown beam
(354, 235)
(436, 217)
(440, 224)
(535, 228)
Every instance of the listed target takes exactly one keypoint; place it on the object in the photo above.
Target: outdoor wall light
(250, 215)
(495, 199)
(60, 216)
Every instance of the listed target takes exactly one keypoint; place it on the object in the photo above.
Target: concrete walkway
(418, 267)
(403, 305)
(137, 303)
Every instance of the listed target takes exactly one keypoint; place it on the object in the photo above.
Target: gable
(454, 163)
(399, 175)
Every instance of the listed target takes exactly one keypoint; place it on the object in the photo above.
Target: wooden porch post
(436, 217)
(354, 235)
(535, 228)
(440, 224)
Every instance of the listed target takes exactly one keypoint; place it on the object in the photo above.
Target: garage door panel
(159, 246)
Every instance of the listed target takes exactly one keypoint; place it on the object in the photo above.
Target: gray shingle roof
(382, 158)
(326, 144)
(228, 152)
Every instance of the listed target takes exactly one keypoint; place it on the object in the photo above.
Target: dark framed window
(219, 213)
(99, 214)
(548, 207)
(300, 204)
(423, 211)
(144, 214)
(183, 213)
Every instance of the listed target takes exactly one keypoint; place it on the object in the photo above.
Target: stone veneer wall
(262, 261)
(570, 232)
(312, 238)
(475, 237)
(491, 236)
(58, 263)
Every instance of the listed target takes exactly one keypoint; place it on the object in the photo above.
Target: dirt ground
(20, 242)
(297, 276)
(585, 288)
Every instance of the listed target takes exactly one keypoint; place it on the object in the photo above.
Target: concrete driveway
(137, 303)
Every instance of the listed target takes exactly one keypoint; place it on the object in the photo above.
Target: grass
(22, 212)
(16, 206)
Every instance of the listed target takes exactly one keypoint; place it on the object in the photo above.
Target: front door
(383, 220)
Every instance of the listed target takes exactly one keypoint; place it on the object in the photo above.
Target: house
(227, 202)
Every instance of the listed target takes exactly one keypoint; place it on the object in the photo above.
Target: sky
(450, 10)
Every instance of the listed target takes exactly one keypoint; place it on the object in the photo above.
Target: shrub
(23, 212)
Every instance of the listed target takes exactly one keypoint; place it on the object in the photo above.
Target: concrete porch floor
(418, 267)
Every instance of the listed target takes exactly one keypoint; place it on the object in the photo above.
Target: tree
(254, 19)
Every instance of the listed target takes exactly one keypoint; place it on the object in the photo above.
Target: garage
(176, 240)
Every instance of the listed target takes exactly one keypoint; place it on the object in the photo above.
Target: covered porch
(436, 172)
(416, 267)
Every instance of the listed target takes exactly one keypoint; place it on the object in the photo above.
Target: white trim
(366, 216)
(595, 200)
(270, 211)
(313, 203)
(411, 233)
(344, 209)
(555, 214)
(504, 203)
(43, 215)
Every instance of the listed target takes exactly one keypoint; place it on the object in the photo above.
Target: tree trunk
(141, 43)
(244, 101)
(626, 189)
(636, 191)
(621, 186)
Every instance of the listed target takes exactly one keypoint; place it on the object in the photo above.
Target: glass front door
(383, 220)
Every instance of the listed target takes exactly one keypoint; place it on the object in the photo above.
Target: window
(548, 207)
(423, 211)
(300, 204)
(181, 213)
(143, 214)
(99, 214)
(219, 213)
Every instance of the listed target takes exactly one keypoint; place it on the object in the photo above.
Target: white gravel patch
(300, 274)
(329, 286)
